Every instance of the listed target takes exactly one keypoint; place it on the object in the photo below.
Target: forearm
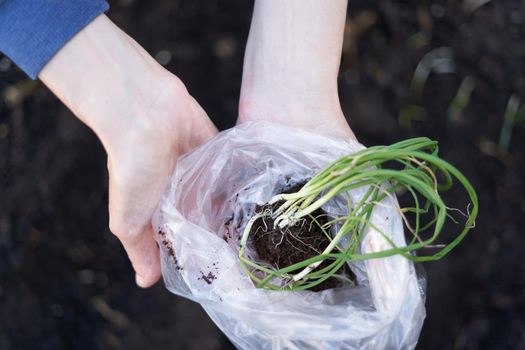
(292, 57)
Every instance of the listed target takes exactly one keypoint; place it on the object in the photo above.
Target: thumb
(143, 252)
(136, 183)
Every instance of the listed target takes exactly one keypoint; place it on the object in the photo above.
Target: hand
(144, 117)
(291, 65)
(140, 162)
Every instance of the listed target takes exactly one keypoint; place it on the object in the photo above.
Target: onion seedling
(412, 167)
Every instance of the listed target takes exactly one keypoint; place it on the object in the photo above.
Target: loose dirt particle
(208, 278)
(169, 248)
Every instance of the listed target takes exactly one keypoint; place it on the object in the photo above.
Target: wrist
(300, 114)
(109, 82)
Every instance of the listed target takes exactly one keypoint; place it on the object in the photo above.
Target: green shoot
(509, 120)
(461, 100)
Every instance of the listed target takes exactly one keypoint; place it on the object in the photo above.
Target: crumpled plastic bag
(212, 194)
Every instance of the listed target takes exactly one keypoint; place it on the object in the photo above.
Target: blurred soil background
(450, 70)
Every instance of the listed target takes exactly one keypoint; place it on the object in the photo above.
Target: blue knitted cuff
(33, 31)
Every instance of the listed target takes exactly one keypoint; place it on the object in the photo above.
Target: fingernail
(139, 280)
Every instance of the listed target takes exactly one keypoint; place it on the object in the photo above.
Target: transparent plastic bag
(212, 194)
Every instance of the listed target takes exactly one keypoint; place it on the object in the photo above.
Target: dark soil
(284, 247)
(65, 281)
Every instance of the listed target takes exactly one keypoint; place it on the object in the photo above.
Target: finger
(143, 253)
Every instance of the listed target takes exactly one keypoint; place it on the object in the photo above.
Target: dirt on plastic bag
(215, 190)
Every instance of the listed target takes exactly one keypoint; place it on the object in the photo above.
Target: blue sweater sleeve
(32, 31)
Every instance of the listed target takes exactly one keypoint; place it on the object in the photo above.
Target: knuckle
(125, 231)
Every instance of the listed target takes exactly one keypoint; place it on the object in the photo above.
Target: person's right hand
(144, 117)
(291, 65)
